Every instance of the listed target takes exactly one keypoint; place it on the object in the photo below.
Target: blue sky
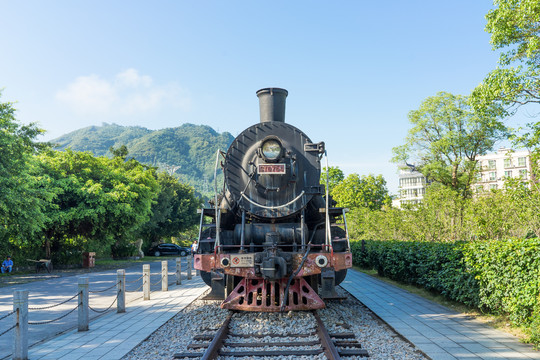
(353, 69)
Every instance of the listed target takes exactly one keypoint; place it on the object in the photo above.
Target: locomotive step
(334, 210)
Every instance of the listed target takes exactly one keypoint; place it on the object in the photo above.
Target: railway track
(227, 342)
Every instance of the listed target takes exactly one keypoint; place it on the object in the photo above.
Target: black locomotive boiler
(274, 241)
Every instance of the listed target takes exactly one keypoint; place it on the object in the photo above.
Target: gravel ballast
(206, 317)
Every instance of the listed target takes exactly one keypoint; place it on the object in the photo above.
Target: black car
(168, 249)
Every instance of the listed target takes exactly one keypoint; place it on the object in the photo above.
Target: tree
(362, 192)
(174, 211)
(97, 200)
(21, 202)
(335, 176)
(513, 25)
(446, 138)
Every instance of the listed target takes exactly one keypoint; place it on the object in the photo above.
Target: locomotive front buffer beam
(255, 293)
(243, 265)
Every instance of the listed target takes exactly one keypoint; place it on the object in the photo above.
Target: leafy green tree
(513, 26)
(97, 200)
(189, 149)
(121, 151)
(362, 192)
(446, 138)
(174, 211)
(335, 176)
(21, 202)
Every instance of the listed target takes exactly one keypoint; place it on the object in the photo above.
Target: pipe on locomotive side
(272, 104)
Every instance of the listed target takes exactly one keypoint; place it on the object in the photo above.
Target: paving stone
(439, 332)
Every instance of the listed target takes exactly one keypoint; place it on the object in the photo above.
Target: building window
(493, 186)
(492, 176)
(479, 177)
(491, 164)
(523, 173)
(522, 161)
(479, 188)
(507, 163)
(508, 174)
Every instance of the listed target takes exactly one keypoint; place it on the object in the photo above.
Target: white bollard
(189, 265)
(164, 276)
(146, 281)
(20, 306)
(178, 271)
(83, 304)
(120, 291)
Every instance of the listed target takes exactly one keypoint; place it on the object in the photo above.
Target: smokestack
(272, 104)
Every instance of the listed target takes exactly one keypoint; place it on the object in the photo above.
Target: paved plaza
(114, 335)
(437, 331)
(433, 329)
(54, 290)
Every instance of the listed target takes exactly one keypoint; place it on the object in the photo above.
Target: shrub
(499, 276)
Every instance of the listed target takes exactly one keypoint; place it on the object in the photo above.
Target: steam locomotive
(272, 240)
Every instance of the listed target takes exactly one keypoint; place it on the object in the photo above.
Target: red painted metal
(338, 261)
(266, 296)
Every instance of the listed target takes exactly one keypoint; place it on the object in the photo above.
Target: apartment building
(504, 164)
(494, 169)
(412, 186)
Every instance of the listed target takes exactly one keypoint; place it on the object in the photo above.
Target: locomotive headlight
(271, 149)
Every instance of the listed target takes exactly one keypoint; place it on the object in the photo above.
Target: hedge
(500, 276)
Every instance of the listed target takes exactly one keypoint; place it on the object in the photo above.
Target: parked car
(168, 249)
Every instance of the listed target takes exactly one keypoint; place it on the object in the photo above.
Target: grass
(495, 321)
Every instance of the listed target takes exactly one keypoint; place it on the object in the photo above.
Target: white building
(412, 186)
(494, 169)
(504, 164)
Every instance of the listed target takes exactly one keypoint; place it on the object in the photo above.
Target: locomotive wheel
(340, 276)
(207, 277)
(157, 253)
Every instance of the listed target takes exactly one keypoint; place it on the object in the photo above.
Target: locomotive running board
(266, 296)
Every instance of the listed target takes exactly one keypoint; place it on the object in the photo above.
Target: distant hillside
(190, 149)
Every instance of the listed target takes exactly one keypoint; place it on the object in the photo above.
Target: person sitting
(7, 265)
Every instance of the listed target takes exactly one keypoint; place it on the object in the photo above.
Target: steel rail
(329, 348)
(224, 338)
(216, 344)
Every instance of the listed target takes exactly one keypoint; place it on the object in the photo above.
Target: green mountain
(189, 151)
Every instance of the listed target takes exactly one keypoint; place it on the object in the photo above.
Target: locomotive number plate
(242, 260)
(271, 169)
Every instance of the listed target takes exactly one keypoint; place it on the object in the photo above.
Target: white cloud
(89, 94)
(131, 78)
(127, 93)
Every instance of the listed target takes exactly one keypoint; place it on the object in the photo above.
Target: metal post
(189, 265)
(164, 276)
(121, 291)
(146, 281)
(20, 306)
(178, 271)
(83, 304)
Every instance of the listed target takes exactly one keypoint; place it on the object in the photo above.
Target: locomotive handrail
(218, 217)
(346, 230)
(272, 207)
(327, 215)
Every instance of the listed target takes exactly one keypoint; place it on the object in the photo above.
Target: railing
(21, 308)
